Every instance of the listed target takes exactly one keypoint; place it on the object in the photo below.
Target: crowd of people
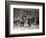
(26, 20)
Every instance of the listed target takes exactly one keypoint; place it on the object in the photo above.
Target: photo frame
(24, 18)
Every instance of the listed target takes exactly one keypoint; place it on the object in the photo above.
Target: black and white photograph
(24, 19)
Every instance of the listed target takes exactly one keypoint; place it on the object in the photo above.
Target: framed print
(24, 18)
